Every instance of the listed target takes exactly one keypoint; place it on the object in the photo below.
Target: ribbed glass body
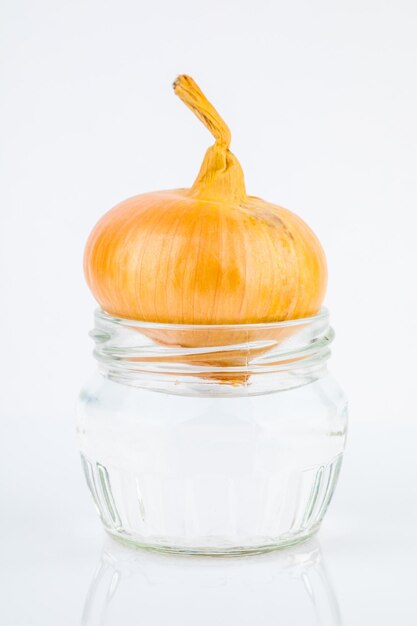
(212, 439)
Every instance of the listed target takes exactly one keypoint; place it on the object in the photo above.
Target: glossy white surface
(57, 566)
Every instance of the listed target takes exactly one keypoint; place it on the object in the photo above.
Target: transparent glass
(212, 439)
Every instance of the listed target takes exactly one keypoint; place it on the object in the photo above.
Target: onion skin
(210, 254)
(166, 257)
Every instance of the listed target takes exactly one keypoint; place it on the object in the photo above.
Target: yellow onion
(208, 254)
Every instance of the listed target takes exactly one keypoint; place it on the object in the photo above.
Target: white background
(321, 98)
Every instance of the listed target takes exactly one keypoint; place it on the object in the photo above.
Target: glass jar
(212, 439)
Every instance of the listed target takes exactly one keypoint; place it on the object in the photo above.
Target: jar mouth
(321, 316)
(212, 358)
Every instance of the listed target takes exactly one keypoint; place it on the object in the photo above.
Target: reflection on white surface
(287, 588)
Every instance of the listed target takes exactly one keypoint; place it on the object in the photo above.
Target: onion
(209, 254)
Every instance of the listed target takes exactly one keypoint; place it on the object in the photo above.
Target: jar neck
(244, 359)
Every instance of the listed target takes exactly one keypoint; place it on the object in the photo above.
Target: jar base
(221, 551)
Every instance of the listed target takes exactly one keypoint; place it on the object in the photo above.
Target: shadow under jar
(212, 439)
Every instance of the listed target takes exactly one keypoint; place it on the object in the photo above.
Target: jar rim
(100, 314)
(212, 356)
